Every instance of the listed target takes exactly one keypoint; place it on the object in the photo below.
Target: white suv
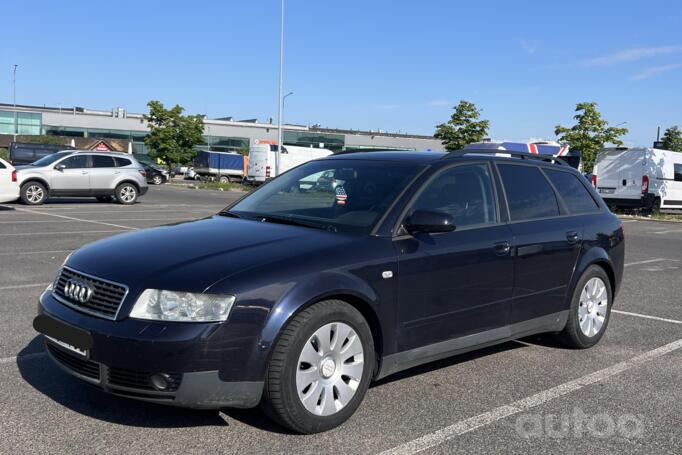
(9, 189)
(104, 175)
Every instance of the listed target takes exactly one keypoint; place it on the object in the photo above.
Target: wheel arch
(40, 180)
(594, 256)
(126, 180)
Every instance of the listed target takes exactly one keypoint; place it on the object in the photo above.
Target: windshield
(336, 195)
(49, 159)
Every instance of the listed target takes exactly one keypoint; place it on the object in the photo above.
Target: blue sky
(395, 65)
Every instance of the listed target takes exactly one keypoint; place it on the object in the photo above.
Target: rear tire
(126, 193)
(314, 383)
(590, 310)
(224, 179)
(33, 193)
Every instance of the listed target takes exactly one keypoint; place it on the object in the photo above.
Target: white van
(262, 158)
(643, 178)
(9, 187)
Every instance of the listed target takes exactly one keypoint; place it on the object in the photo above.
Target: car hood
(192, 256)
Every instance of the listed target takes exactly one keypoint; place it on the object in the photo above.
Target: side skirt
(407, 359)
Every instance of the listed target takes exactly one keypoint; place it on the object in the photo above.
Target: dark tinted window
(120, 162)
(464, 192)
(573, 192)
(528, 193)
(678, 172)
(102, 161)
(2, 165)
(76, 162)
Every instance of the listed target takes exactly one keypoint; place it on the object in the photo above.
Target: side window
(76, 162)
(529, 195)
(121, 162)
(573, 192)
(2, 165)
(463, 192)
(102, 161)
(678, 172)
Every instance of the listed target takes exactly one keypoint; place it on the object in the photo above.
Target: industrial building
(124, 131)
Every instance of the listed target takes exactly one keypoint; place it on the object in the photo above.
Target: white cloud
(655, 70)
(631, 55)
(439, 103)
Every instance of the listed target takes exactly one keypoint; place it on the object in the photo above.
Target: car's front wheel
(590, 309)
(157, 180)
(126, 193)
(33, 193)
(320, 368)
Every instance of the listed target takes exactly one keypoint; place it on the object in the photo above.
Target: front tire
(590, 309)
(33, 193)
(157, 180)
(126, 193)
(320, 368)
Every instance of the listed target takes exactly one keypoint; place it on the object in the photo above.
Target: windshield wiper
(229, 213)
(286, 220)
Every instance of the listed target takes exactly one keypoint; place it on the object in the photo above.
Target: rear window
(2, 165)
(120, 162)
(529, 194)
(573, 192)
(102, 161)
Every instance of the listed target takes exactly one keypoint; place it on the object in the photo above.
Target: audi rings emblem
(78, 290)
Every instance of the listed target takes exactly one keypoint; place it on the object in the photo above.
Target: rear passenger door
(546, 245)
(459, 283)
(102, 173)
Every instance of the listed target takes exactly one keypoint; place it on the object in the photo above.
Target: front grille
(140, 379)
(106, 298)
(74, 363)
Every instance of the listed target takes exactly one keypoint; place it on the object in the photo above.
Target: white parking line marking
(23, 286)
(91, 221)
(646, 316)
(22, 357)
(17, 234)
(18, 253)
(649, 261)
(464, 426)
(667, 232)
(79, 219)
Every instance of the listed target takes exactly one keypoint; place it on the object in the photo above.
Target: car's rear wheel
(590, 309)
(33, 193)
(126, 193)
(320, 368)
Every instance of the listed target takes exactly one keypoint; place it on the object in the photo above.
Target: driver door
(73, 178)
(456, 284)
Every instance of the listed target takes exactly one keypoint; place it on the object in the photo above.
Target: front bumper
(122, 357)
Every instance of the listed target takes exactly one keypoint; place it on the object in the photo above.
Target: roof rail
(522, 155)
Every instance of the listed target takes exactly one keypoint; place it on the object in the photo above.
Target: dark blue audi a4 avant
(339, 272)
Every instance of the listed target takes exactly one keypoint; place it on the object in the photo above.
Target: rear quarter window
(529, 194)
(122, 162)
(573, 192)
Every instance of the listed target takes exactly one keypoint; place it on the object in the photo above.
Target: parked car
(180, 169)
(28, 152)
(9, 188)
(191, 174)
(104, 175)
(263, 157)
(647, 179)
(299, 297)
(155, 174)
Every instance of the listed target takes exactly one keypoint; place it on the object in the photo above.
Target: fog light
(160, 381)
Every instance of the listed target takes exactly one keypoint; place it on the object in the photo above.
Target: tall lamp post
(280, 99)
(14, 95)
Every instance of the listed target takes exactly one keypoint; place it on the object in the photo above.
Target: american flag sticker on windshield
(341, 195)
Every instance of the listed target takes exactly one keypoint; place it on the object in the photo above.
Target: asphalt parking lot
(621, 396)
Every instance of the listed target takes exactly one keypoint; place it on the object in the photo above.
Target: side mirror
(429, 222)
(60, 167)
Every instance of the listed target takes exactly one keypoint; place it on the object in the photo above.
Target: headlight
(182, 306)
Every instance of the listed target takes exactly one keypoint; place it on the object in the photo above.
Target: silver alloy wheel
(34, 194)
(127, 193)
(329, 369)
(594, 302)
(158, 180)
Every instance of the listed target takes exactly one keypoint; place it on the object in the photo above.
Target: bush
(4, 154)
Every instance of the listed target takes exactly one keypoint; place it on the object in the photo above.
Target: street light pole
(280, 100)
(14, 90)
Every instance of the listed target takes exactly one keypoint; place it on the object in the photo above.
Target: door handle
(84, 172)
(502, 248)
(572, 237)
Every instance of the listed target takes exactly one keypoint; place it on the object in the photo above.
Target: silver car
(104, 175)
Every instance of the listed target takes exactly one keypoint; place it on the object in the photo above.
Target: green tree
(672, 139)
(463, 128)
(172, 136)
(589, 134)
